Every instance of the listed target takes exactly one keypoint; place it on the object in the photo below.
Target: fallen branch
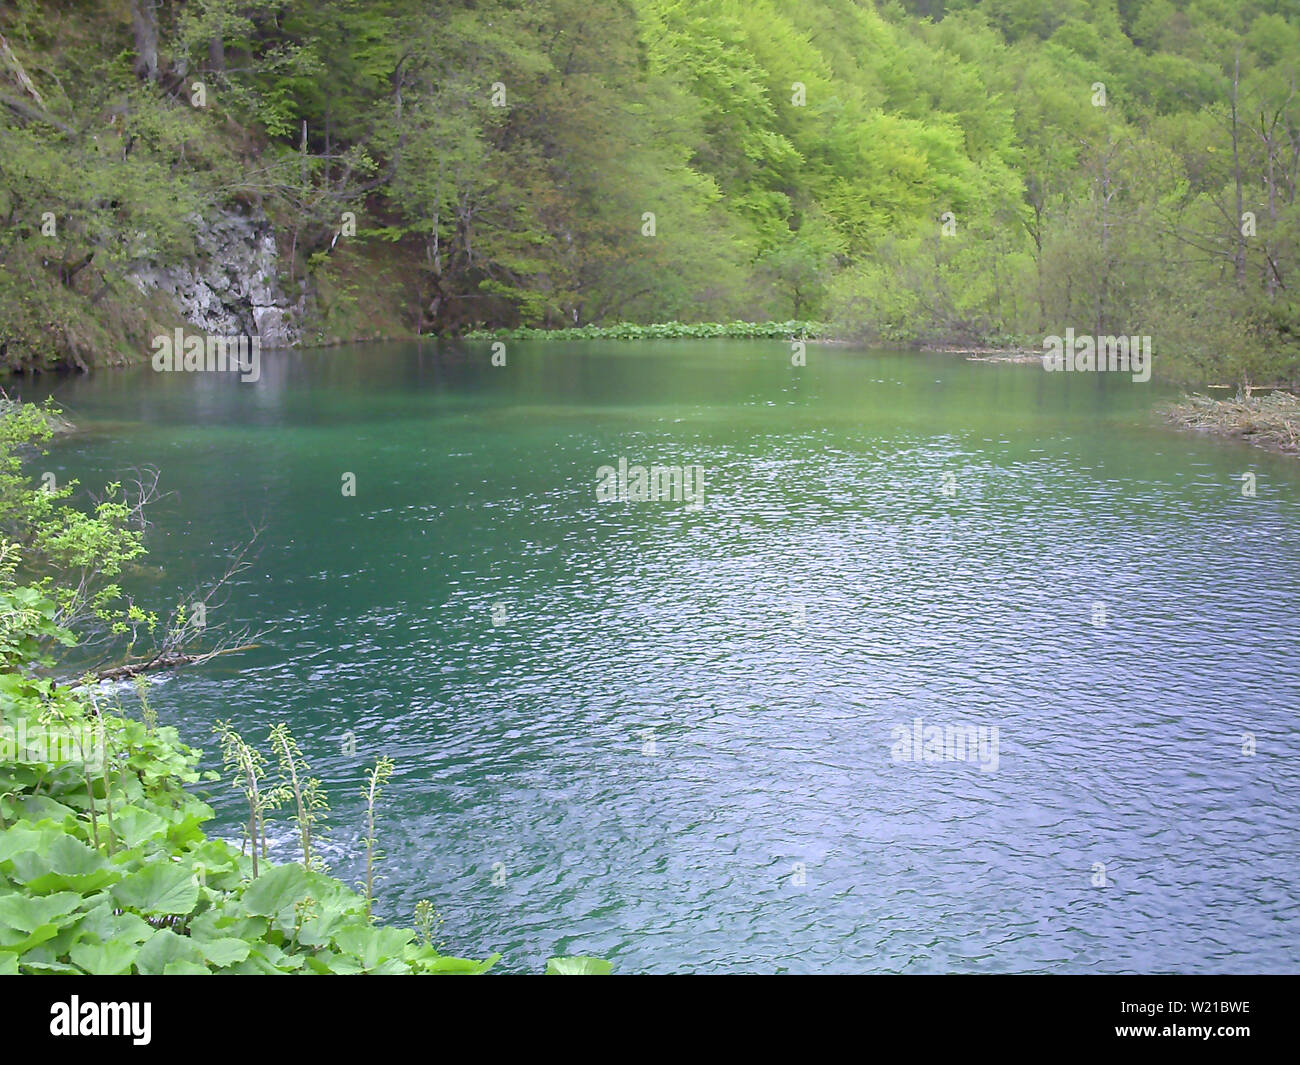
(169, 660)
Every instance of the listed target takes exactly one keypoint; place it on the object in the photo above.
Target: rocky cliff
(232, 286)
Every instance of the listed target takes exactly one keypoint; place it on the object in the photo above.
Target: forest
(675, 588)
(921, 173)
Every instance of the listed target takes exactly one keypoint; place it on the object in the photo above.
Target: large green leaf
(578, 966)
(276, 890)
(20, 943)
(164, 949)
(46, 966)
(328, 963)
(23, 913)
(133, 825)
(185, 968)
(372, 945)
(277, 960)
(318, 931)
(107, 959)
(21, 839)
(101, 923)
(66, 864)
(159, 889)
(223, 952)
(43, 808)
(448, 966)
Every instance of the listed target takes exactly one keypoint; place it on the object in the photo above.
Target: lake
(951, 665)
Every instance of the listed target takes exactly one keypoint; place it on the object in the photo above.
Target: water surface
(663, 735)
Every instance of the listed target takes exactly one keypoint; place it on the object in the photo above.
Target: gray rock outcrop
(232, 286)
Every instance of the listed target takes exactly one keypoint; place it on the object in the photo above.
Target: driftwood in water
(169, 660)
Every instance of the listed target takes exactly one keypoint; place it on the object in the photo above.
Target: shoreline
(1270, 421)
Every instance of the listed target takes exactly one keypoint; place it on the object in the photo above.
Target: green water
(665, 735)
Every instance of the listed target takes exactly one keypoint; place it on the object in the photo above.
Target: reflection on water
(671, 735)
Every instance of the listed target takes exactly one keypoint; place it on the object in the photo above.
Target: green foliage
(104, 866)
(376, 778)
(578, 966)
(659, 331)
(247, 768)
(556, 165)
(75, 559)
(311, 807)
(28, 622)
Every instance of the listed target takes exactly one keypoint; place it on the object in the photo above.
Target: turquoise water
(670, 735)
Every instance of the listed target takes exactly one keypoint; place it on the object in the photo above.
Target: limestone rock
(232, 286)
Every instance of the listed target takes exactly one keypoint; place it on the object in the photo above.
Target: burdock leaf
(159, 889)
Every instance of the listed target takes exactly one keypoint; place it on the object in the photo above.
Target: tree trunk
(144, 24)
(216, 53)
(1239, 252)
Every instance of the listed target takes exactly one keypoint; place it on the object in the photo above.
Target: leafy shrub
(105, 868)
(104, 864)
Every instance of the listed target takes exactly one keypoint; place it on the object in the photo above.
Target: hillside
(323, 170)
